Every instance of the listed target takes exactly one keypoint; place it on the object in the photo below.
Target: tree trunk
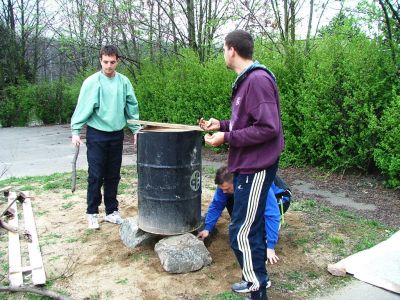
(191, 24)
(307, 46)
(292, 22)
(151, 50)
(389, 32)
(172, 18)
(13, 58)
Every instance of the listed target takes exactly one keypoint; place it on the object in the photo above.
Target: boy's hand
(272, 258)
(203, 234)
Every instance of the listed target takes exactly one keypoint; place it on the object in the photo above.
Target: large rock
(182, 253)
(132, 236)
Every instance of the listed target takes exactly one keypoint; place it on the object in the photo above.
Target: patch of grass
(67, 196)
(288, 286)
(313, 275)
(95, 296)
(211, 276)
(336, 241)
(303, 205)
(295, 276)
(302, 241)
(346, 214)
(209, 171)
(49, 239)
(122, 281)
(364, 243)
(68, 205)
(227, 296)
(5, 267)
(71, 240)
(27, 187)
(140, 256)
(54, 258)
(41, 213)
(122, 187)
(56, 181)
(87, 234)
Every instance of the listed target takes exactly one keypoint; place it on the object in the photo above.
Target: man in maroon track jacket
(255, 137)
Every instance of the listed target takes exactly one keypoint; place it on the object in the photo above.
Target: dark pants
(104, 155)
(246, 230)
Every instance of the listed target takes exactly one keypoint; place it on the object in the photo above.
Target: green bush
(16, 105)
(183, 90)
(288, 67)
(387, 152)
(347, 84)
(47, 103)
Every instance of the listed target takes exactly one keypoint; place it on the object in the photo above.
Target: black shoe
(261, 294)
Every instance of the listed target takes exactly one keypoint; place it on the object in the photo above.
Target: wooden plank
(14, 250)
(5, 189)
(35, 256)
(166, 125)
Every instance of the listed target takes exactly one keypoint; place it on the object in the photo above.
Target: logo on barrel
(195, 180)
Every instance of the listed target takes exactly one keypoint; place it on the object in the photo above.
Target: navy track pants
(247, 230)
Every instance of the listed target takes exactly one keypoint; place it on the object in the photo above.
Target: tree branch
(32, 290)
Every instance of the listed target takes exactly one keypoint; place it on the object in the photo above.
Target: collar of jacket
(242, 76)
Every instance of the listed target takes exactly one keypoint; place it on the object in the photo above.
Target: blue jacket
(272, 215)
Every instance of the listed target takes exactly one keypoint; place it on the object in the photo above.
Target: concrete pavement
(31, 151)
(46, 150)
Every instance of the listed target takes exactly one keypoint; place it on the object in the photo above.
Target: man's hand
(135, 139)
(212, 124)
(203, 234)
(76, 140)
(272, 258)
(215, 139)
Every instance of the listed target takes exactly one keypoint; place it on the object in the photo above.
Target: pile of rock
(178, 254)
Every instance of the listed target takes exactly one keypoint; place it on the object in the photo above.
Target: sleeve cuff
(226, 137)
(208, 227)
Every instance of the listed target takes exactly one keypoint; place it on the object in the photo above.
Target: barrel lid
(157, 126)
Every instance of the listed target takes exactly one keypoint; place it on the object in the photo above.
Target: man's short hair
(242, 42)
(223, 175)
(109, 50)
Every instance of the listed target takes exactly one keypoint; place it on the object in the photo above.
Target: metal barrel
(169, 180)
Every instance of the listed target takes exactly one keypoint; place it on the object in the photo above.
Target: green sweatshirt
(105, 104)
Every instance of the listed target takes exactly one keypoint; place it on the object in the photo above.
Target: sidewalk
(46, 150)
(33, 151)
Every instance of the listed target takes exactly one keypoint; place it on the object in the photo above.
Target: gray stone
(182, 254)
(132, 236)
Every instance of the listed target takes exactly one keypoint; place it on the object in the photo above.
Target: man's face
(108, 65)
(228, 53)
(226, 187)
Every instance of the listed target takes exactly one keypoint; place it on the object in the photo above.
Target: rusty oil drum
(169, 180)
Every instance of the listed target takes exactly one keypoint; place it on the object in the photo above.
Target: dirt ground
(91, 264)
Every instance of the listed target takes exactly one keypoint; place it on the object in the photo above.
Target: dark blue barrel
(169, 180)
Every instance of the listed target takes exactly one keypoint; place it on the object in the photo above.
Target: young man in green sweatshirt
(106, 101)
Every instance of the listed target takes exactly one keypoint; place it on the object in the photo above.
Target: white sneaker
(93, 221)
(244, 286)
(113, 218)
